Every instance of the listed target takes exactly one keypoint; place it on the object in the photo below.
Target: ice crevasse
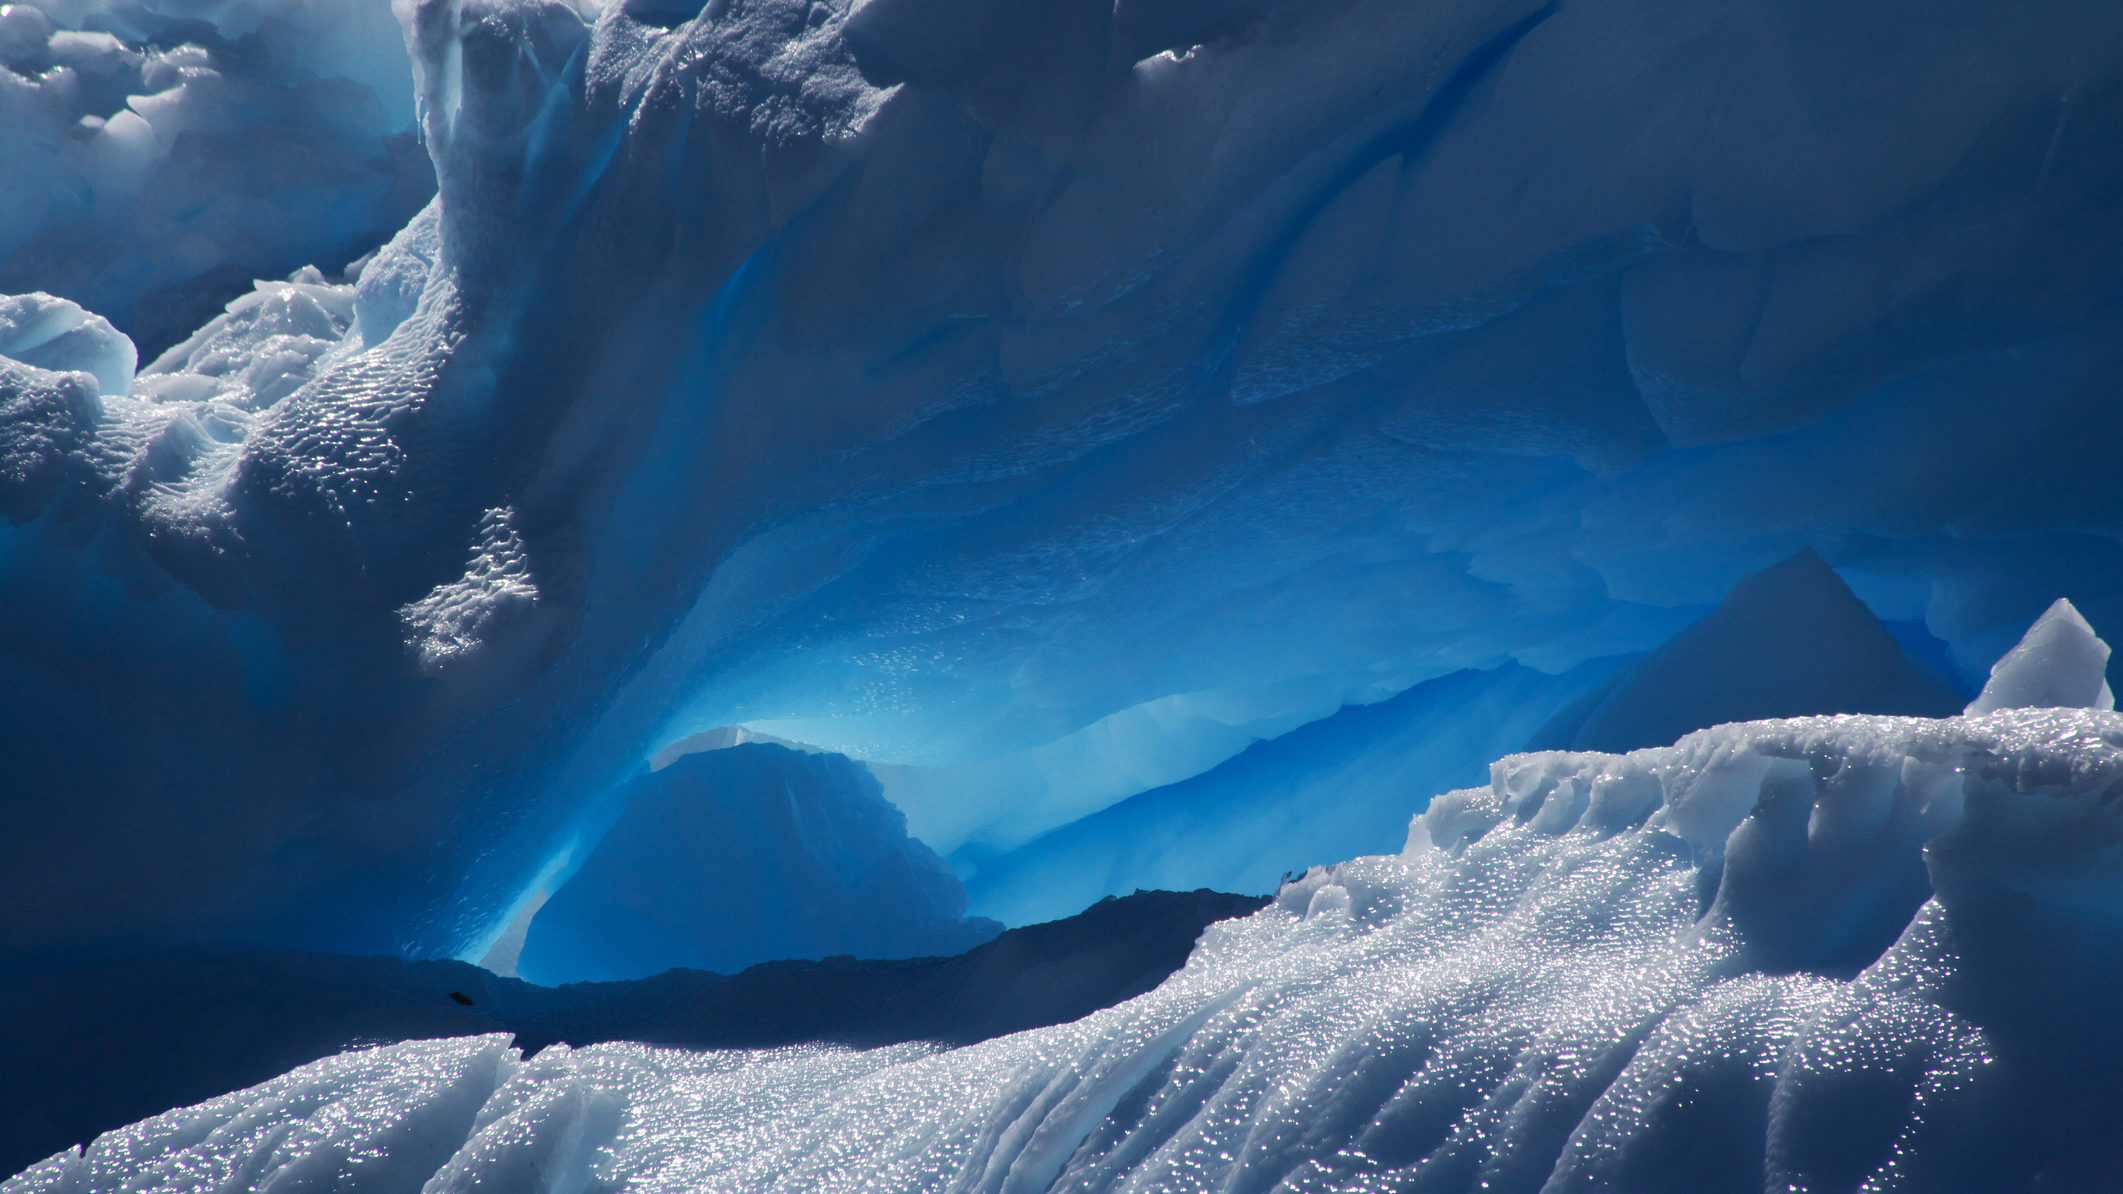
(1826, 953)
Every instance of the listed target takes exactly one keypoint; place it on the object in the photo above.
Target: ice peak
(2059, 663)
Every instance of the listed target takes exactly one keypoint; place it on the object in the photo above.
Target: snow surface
(1821, 954)
(934, 387)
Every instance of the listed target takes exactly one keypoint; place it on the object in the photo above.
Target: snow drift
(935, 386)
(1819, 954)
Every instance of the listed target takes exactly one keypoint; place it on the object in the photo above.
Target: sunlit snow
(1824, 953)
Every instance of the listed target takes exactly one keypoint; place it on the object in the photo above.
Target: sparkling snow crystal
(1817, 954)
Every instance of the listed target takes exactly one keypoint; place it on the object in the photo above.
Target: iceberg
(931, 386)
(411, 430)
(1824, 953)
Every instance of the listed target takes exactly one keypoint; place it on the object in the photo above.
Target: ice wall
(950, 384)
(1333, 789)
(1789, 640)
(1819, 954)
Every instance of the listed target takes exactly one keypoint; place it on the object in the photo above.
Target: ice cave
(607, 596)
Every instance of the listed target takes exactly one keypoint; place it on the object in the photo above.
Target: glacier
(1822, 953)
(939, 387)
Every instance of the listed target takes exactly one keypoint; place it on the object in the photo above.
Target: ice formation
(935, 387)
(2059, 663)
(724, 858)
(1788, 640)
(49, 333)
(161, 154)
(118, 1041)
(1819, 954)
(1333, 789)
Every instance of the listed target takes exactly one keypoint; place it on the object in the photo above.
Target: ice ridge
(1829, 953)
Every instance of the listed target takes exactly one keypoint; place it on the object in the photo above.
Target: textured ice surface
(48, 332)
(1266, 358)
(2060, 662)
(122, 1040)
(754, 852)
(1819, 954)
(162, 154)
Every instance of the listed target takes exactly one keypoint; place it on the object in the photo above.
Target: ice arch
(958, 385)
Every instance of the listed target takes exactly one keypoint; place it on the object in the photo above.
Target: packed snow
(944, 388)
(1825, 953)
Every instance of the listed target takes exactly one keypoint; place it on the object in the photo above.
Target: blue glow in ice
(1259, 360)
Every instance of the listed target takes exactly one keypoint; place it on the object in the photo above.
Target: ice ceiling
(964, 385)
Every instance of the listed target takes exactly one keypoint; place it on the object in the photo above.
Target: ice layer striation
(1826, 953)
